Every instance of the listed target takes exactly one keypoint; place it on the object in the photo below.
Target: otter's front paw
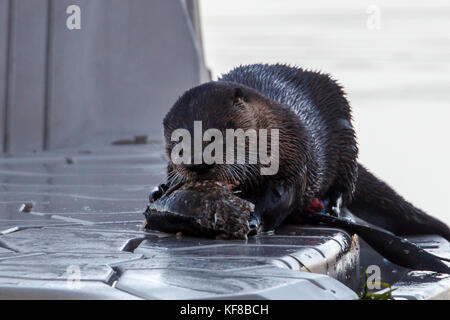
(335, 207)
(333, 204)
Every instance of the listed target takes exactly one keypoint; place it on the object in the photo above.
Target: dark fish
(203, 208)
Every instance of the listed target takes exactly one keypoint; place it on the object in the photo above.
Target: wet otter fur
(318, 150)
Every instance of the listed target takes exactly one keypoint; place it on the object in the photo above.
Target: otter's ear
(238, 96)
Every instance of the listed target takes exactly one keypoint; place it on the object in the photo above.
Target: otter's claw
(157, 192)
(333, 205)
(254, 224)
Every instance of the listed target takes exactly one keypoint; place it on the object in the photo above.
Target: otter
(318, 152)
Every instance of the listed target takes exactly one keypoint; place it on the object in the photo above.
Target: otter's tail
(377, 203)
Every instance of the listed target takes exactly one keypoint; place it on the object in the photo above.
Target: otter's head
(199, 138)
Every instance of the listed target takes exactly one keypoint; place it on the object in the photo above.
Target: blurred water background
(392, 57)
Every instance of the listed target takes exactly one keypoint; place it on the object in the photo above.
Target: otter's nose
(199, 168)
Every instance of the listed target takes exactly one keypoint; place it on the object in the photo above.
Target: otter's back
(320, 105)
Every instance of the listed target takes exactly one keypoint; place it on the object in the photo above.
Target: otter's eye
(238, 96)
